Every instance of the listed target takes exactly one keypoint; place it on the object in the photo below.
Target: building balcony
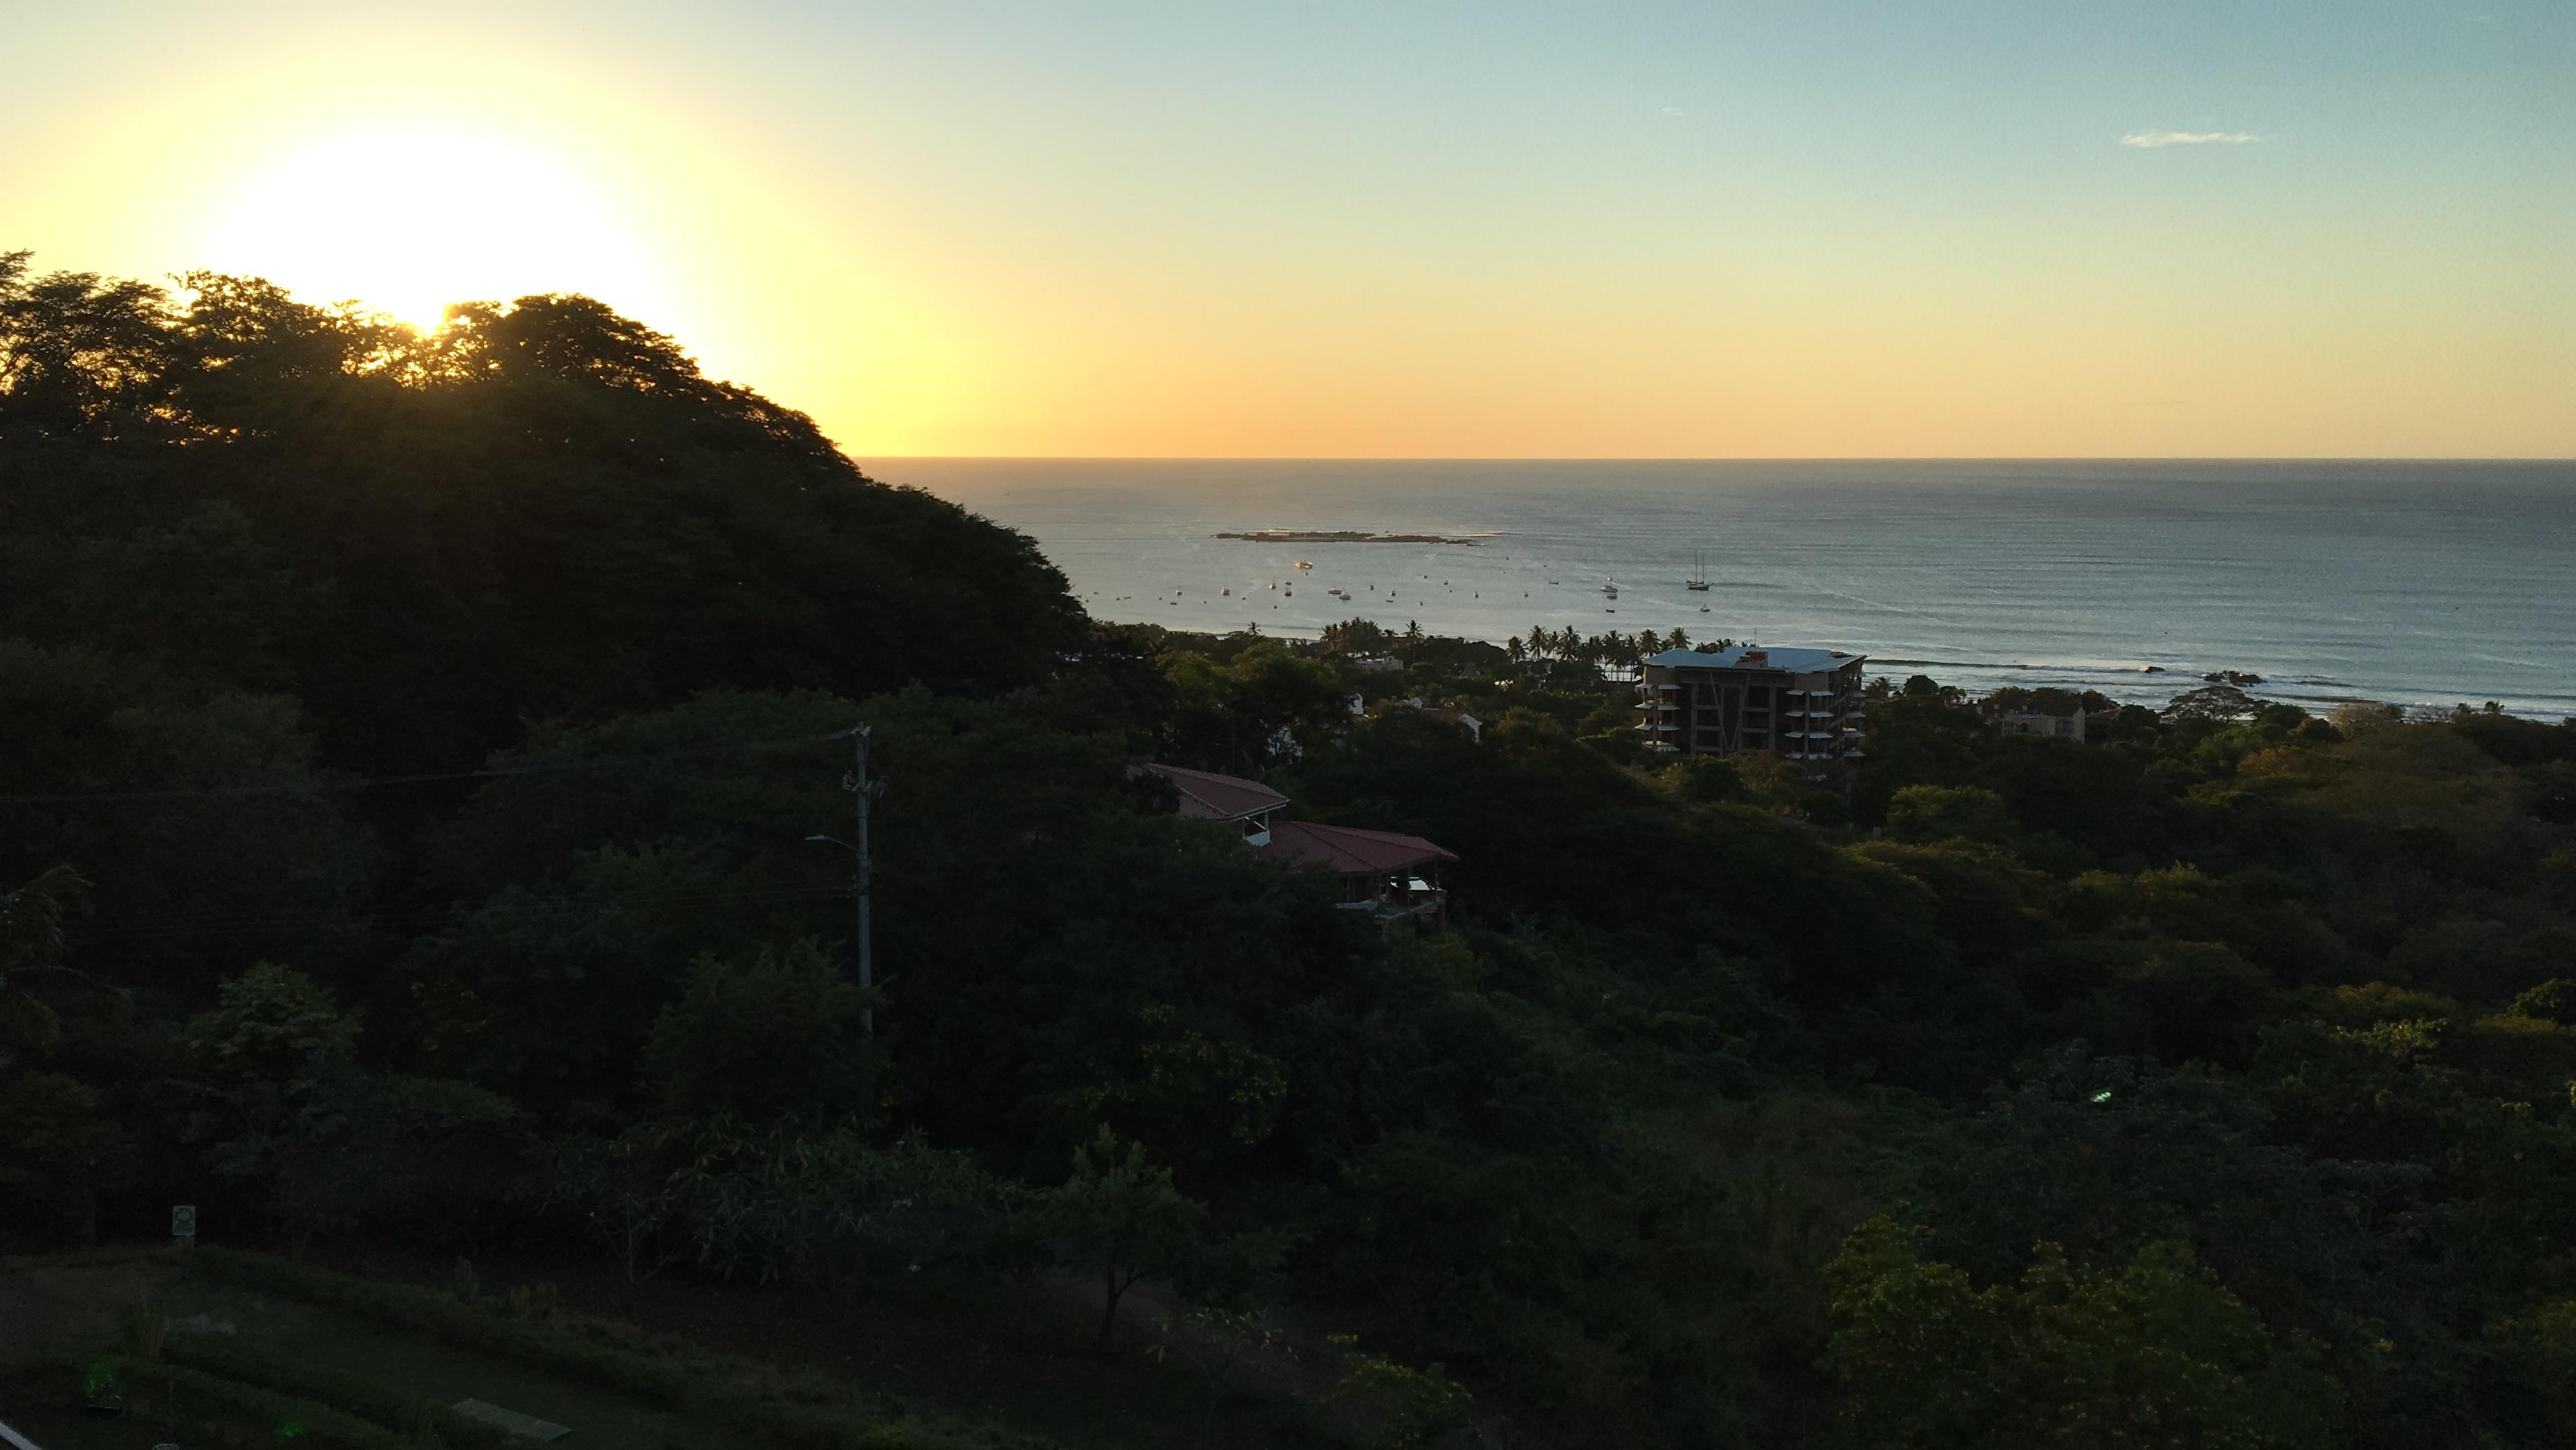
(1415, 900)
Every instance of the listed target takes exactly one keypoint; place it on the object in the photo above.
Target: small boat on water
(1305, 563)
(1610, 588)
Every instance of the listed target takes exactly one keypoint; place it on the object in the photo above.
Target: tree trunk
(1109, 1305)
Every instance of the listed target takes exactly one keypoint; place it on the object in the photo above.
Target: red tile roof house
(1207, 796)
(1378, 868)
(1383, 872)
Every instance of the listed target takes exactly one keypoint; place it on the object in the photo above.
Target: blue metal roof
(1787, 661)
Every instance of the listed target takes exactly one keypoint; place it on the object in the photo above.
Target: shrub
(367, 1399)
(2156, 1352)
(143, 1329)
(1712, 779)
(1417, 1407)
(321, 1426)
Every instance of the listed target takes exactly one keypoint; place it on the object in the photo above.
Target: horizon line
(1706, 458)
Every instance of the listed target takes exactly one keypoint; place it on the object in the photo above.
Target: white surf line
(1877, 603)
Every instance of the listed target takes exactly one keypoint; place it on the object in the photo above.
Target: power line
(313, 787)
(322, 920)
(528, 902)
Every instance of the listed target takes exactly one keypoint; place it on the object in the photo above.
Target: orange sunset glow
(1231, 238)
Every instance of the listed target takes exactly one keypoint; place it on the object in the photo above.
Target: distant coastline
(1344, 536)
(2419, 584)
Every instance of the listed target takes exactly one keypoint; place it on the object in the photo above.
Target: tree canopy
(417, 750)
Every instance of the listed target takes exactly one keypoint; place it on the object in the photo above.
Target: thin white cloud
(2149, 140)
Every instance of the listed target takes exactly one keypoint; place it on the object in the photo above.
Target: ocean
(2421, 584)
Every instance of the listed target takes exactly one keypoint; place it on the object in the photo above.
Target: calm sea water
(2422, 584)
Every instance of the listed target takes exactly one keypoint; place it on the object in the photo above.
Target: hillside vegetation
(413, 746)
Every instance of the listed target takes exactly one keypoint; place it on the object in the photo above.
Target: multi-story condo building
(1798, 704)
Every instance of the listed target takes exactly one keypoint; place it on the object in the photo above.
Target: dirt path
(52, 1306)
(51, 1311)
(980, 1352)
(1026, 1366)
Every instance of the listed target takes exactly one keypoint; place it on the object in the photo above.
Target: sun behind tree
(409, 219)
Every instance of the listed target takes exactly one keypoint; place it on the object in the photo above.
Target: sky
(1212, 229)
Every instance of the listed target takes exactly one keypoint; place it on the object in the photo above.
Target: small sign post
(183, 1224)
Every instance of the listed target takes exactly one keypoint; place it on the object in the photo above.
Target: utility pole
(863, 793)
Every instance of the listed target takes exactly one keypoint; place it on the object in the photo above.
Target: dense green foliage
(2208, 1085)
(539, 510)
(2156, 1353)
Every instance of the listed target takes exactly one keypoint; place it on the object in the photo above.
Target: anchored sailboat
(1698, 581)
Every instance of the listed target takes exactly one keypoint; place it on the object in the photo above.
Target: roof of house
(1207, 796)
(1789, 661)
(1348, 849)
